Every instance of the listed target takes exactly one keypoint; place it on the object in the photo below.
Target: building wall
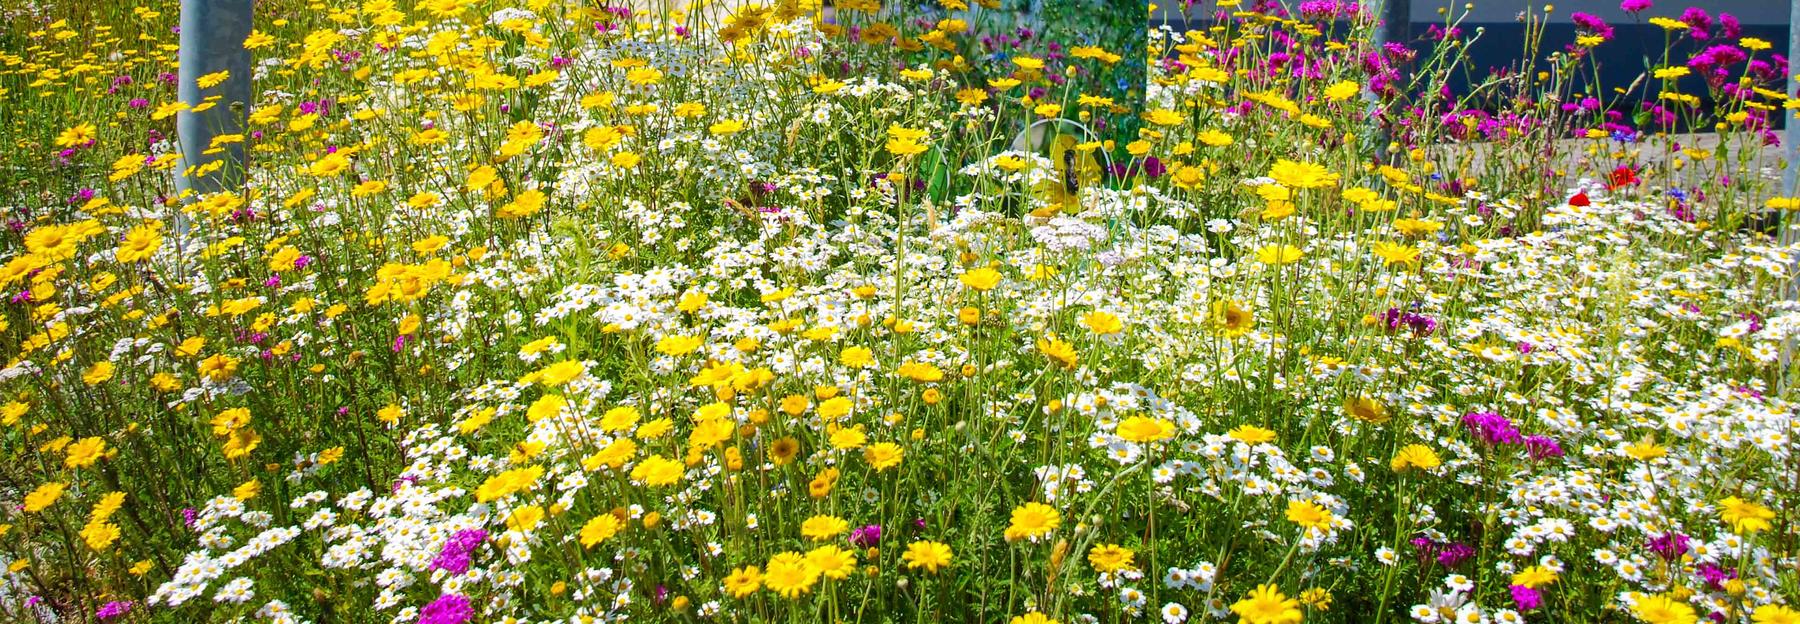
(1764, 12)
(1491, 11)
(1496, 37)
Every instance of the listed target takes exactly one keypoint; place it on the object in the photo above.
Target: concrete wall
(1766, 12)
(1770, 12)
(1490, 11)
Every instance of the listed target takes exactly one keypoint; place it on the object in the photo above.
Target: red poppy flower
(1621, 177)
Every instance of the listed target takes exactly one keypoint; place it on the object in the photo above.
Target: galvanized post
(1395, 27)
(1790, 147)
(1396, 22)
(212, 40)
(1790, 185)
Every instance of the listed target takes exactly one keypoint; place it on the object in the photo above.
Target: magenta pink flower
(447, 609)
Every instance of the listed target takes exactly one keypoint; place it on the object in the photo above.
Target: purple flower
(1716, 57)
(1634, 6)
(1398, 52)
(1592, 24)
(114, 609)
(1454, 554)
(1447, 554)
(1493, 429)
(1699, 23)
(447, 609)
(1763, 70)
(1670, 546)
(866, 536)
(1526, 598)
(1729, 26)
(1756, 321)
(454, 556)
(1328, 9)
(1154, 167)
(1542, 447)
(1715, 576)
(1420, 324)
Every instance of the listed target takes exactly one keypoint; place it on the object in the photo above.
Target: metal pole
(212, 40)
(1790, 183)
(1396, 22)
(1791, 147)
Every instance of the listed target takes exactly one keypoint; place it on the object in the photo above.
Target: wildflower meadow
(561, 311)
